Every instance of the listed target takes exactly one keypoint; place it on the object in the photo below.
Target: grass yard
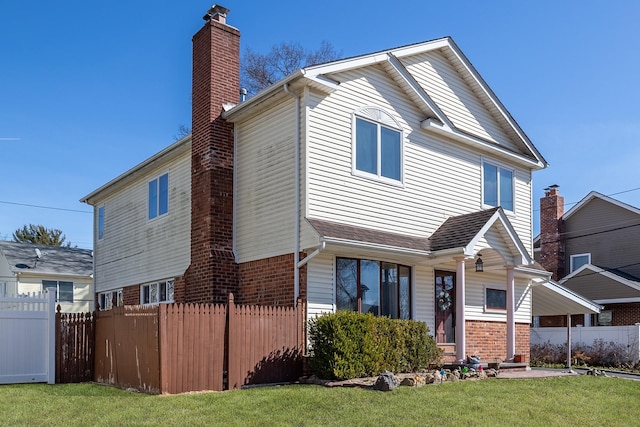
(560, 401)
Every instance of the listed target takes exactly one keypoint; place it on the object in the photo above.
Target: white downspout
(296, 253)
(312, 254)
(234, 229)
(460, 314)
(511, 314)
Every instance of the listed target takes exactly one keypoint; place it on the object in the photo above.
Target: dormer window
(377, 145)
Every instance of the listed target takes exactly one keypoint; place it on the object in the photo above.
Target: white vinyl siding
(320, 285)
(455, 98)
(475, 298)
(83, 296)
(424, 299)
(441, 178)
(136, 250)
(265, 178)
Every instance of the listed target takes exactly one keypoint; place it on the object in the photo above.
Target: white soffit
(552, 299)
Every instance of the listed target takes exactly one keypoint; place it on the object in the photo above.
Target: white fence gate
(27, 339)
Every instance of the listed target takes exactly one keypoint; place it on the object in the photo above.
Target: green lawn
(560, 401)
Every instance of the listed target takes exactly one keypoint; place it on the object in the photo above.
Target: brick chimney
(551, 244)
(216, 81)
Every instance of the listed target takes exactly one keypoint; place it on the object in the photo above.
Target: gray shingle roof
(330, 229)
(55, 259)
(458, 231)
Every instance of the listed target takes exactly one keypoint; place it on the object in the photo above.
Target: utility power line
(44, 207)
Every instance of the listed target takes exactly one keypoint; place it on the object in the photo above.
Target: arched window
(377, 144)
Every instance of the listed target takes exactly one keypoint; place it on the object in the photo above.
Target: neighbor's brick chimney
(551, 245)
(213, 272)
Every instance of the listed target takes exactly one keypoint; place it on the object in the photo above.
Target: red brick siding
(489, 340)
(213, 272)
(131, 295)
(624, 314)
(553, 321)
(179, 289)
(270, 281)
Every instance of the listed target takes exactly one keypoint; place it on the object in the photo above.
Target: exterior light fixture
(479, 264)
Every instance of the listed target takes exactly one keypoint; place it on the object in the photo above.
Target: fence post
(51, 325)
(232, 364)
(301, 327)
(58, 341)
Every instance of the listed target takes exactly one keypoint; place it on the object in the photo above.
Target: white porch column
(569, 341)
(511, 314)
(587, 320)
(460, 327)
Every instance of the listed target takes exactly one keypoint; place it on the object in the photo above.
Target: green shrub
(347, 345)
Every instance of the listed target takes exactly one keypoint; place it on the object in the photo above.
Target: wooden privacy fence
(75, 340)
(127, 348)
(176, 348)
(266, 344)
(192, 347)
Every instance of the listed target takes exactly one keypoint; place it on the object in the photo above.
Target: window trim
(58, 283)
(102, 296)
(411, 283)
(498, 166)
(158, 214)
(488, 309)
(157, 284)
(381, 118)
(571, 257)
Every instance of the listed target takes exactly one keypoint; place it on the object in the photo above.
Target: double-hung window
(63, 290)
(497, 188)
(377, 151)
(159, 196)
(154, 293)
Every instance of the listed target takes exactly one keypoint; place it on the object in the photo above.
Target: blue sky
(90, 89)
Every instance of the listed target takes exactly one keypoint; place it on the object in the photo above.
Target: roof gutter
(263, 96)
(440, 128)
(373, 246)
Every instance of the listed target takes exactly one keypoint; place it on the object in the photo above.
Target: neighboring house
(593, 250)
(393, 183)
(27, 268)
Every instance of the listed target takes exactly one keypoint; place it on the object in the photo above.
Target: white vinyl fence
(628, 336)
(27, 339)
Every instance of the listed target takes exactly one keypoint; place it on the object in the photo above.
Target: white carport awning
(552, 299)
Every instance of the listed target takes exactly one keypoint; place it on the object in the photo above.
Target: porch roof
(458, 231)
(342, 233)
(552, 299)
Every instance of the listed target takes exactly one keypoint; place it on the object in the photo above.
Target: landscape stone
(386, 382)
